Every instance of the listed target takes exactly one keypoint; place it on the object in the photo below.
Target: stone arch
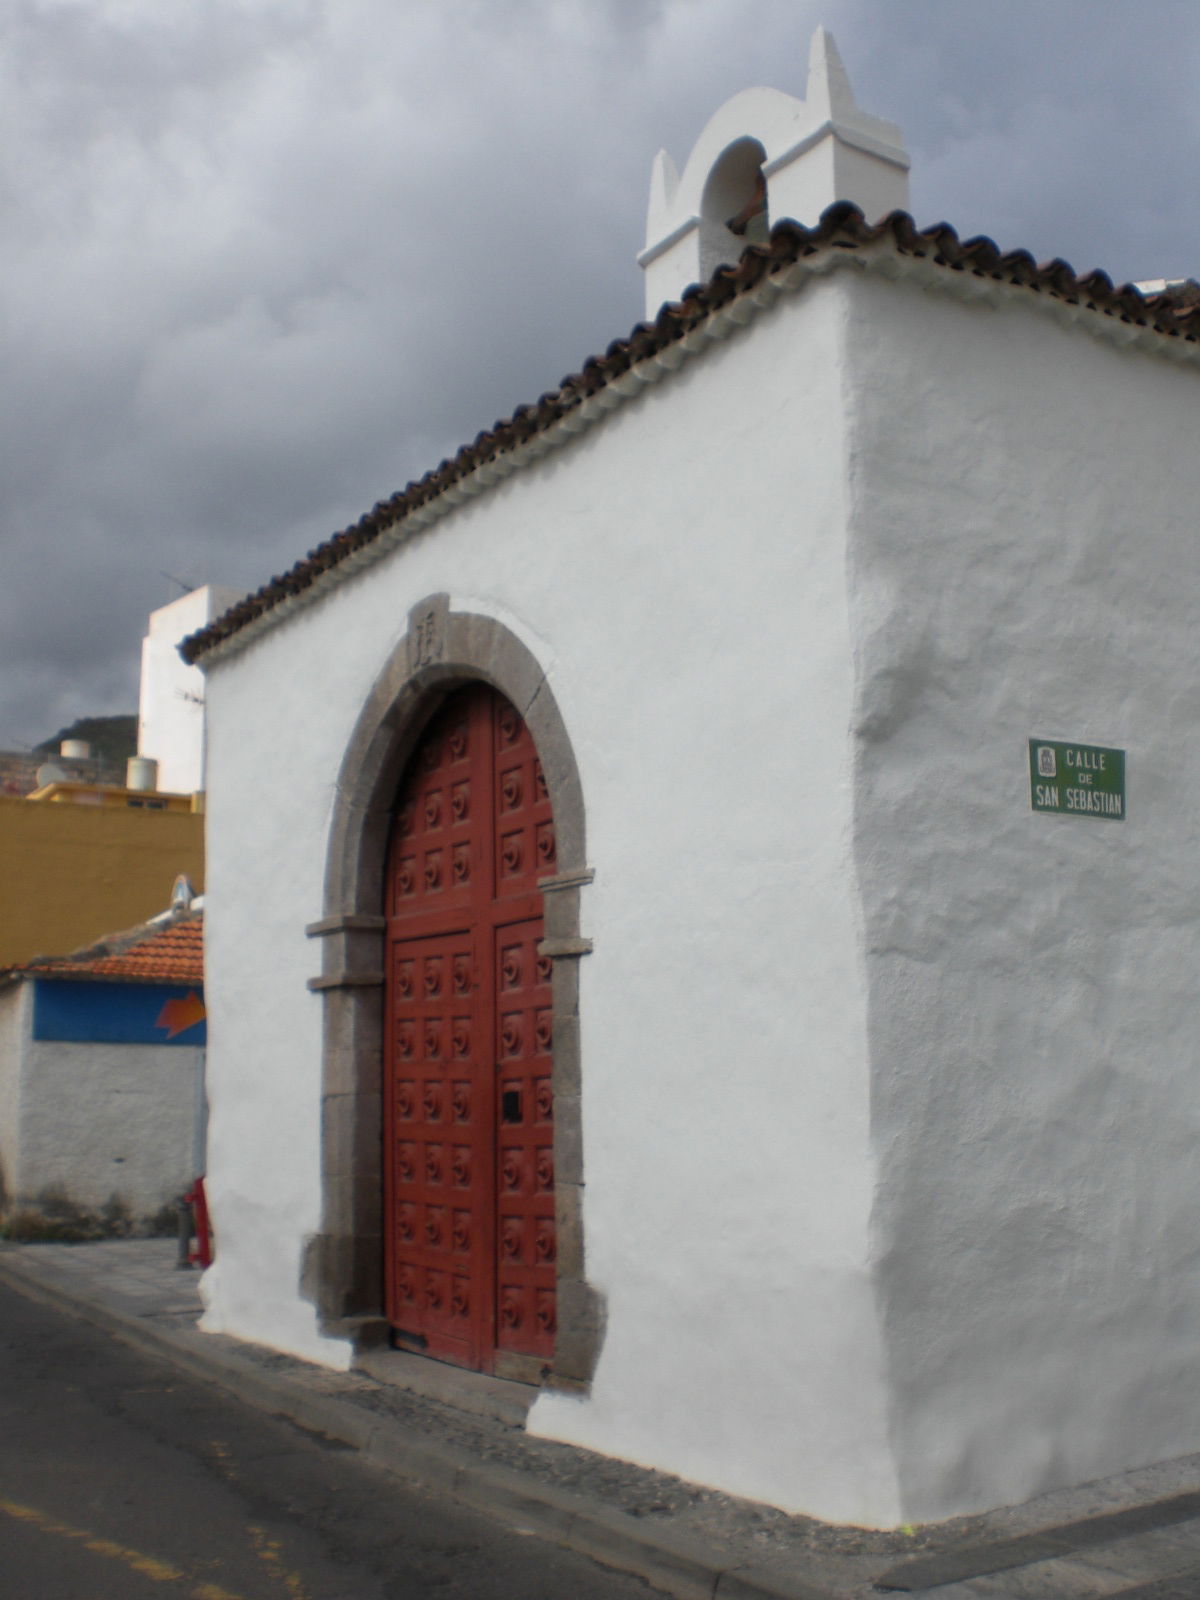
(343, 1262)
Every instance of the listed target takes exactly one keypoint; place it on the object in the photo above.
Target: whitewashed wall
(14, 1035)
(1023, 564)
(841, 568)
(99, 1120)
(680, 573)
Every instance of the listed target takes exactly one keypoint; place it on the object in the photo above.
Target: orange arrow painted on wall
(181, 1013)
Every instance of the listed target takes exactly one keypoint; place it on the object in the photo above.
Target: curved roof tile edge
(762, 269)
(89, 962)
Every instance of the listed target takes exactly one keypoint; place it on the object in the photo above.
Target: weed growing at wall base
(53, 1217)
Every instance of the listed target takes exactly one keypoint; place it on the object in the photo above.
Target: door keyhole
(510, 1105)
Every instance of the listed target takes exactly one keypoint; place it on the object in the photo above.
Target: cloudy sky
(266, 260)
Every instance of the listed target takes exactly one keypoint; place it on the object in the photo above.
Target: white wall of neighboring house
(680, 574)
(94, 1120)
(99, 1120)
(171, 702)
(14, 1042)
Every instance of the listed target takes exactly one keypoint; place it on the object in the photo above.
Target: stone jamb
(343, 1267)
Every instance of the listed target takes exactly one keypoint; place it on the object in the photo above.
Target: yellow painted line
(135, 1560)
(148, 1566)
(267, 1551)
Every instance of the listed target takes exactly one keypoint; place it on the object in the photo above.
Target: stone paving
(1136, 1537)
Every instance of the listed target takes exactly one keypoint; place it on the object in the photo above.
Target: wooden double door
(468, 1102)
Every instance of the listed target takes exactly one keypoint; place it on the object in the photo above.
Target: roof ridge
(109, 947)
(1171, 315)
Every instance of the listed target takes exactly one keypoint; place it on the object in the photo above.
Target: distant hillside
(113, 739)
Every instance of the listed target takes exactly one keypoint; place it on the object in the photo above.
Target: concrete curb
(685, 1567)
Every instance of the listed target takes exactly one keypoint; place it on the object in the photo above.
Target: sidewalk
(1136, 1537)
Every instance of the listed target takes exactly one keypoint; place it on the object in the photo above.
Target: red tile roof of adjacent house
(167, 951)
(1170, 318)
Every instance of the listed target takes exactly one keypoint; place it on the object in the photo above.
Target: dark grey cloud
(268, 259)
(1066, 128)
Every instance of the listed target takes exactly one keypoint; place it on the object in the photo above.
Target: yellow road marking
(135, 1560)
(267, 1551)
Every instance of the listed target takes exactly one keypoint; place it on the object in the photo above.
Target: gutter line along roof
(167, 949)
(1167, 323)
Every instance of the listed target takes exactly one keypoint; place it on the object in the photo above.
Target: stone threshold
(503, 1399)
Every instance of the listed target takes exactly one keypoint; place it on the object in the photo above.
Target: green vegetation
(113, 739)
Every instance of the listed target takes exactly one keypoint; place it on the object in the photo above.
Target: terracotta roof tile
(1173, 314)
(164, 952)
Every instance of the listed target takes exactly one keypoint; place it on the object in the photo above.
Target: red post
(201, 1254)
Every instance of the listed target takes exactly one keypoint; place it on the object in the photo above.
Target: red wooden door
(468, 1106)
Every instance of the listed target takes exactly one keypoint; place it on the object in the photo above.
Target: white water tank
(141, 773)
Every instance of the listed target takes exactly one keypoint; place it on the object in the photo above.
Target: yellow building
(68, 792)
(72, 872)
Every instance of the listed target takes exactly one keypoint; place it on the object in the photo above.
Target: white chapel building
(723, 948)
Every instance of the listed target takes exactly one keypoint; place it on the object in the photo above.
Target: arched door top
(441, 649)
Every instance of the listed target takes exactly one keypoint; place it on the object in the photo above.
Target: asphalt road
(122, 1480)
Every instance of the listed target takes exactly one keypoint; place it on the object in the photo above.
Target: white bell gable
(809, 152)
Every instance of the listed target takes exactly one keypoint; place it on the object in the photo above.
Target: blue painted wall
(119, 1013)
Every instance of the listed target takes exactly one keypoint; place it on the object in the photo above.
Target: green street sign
(1084, 780)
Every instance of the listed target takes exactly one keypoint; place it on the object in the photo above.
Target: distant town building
(171, 704)
(86, 846)
(20, 769)
(71, 873)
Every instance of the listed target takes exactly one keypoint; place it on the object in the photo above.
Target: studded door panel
(525, 1294)
(524, 825)
(441, 1147)
(436, 849)
(468, 1160)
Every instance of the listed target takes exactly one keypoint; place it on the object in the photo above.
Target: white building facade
(171, 721)
(873, 1104)
(101, 1072)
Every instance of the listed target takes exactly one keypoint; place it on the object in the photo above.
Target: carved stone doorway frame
(343, 1267)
